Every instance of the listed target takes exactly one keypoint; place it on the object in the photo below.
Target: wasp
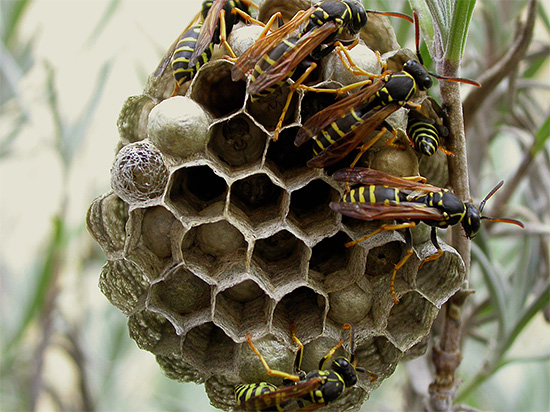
(425, 133)
(276, 57)
(194, 47)
(318, 387)
(382, 196)
(341, 127)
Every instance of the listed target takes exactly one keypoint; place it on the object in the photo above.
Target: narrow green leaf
(544, 17)
(11, 16)
(105, 18)
(458, 33)
(541, 137)
(495, 286)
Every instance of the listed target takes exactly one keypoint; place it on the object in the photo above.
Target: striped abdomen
(182, 54)
(245, 392)
(375, 194)
(424, 135)
(269, 60)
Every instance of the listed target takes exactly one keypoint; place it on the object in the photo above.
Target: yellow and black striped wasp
(382, 196)
(316, 388)
(194, 47)
(424, 132)
(342, 127)
(276, 57)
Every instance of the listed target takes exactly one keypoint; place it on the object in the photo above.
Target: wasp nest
(213, 231)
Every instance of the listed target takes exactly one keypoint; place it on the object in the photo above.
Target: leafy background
(67, 67)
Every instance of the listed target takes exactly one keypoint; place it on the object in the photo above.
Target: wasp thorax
(213, 230)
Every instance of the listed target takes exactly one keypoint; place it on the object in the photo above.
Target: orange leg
(367, 146)
(270, 372)
(296, 85)
(345, 58)
(436, 255)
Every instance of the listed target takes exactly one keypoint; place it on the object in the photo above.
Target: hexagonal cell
(351, 304)
(181, 292)
(258, 198)
(410, 320)
(283, 256)
(309, 205)
(267, 110)
(290, 161)
(123, 283)
(175, 368)
(152, 332)
(238, 142)
(209, 349)
(377, 355)
(213, 88)
(306, 308)
(331, 255)
(314, 102)
(204, 244)
(243, 308)
(156, 230)
(439, 279)
(106, 221)
(194, 188)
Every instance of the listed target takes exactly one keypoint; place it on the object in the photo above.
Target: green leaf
(460, 24)
(107, 15)
(541, 137)
(495, 286)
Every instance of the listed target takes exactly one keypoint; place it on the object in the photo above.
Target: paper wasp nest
(213, 231)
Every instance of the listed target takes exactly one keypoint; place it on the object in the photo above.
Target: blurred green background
(66, 69)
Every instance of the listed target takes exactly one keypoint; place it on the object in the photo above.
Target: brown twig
(494, 75)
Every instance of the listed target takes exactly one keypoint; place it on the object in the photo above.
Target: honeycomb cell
(319, 194)
(306, 308)
(139, 174)
(150, 330)
(242, 309)
(175, 368)
(181, 292)
(314, 102)
(123, 283)
(238, 142)
(258, 198)
(350, 304)
(133, 118)
(282, 256)
(288, 160)
(208, 348)
(156, 230)
(436, 278)
(410, 320)
(331, 254)
(267, 110)
(213, 88)
(377, 354)
(194, 188)
(208, 243)
(106, 220)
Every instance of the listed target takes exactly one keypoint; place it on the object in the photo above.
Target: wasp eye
(427, 82)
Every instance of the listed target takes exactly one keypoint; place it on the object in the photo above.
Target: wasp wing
(250, 57)
(343, 146)
(366, 176)
(167, 58)
(292, 58)
(325, 117)
(380, 211)
(208, 29)
(282, 395)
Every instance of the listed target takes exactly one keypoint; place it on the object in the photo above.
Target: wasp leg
(399, 265)
(270, 372)
(327, 357)
(367, 146)
(447, 152)
(223, 36)
(433, 236)
(346, 59)
(248, 17)
(299, 354)
(295, 86)
(383, 228)
(338, 91)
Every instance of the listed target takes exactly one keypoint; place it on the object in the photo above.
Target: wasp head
(346, 370)
(471, 221)
(419, 73)
(358, 16)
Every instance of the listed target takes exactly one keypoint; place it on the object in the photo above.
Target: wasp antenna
(489, 195)
(504, 220)
(417, 37)
(392, 14)
(455, 79)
